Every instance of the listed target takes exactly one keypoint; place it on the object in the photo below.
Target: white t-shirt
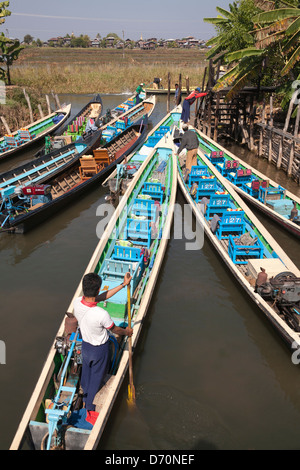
(93, 322)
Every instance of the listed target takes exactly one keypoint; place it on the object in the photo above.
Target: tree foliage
(9, 48)
(267, 49)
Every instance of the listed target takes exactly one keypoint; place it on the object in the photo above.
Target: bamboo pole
(48, 104)
(29, 104)
(271, 125)
(168, 100)
(286, 125)
(292, 153)
(179, 87)
(263, 120)
(41, 111)
(5, 124)
(216, 117)
(187, 81)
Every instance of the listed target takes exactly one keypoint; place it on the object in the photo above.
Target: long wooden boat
(75, 127)
(261, 192)
(23, 138)
(38, 170)
(30, 205)
(60, 159)
(127, 244)
(90, 120)
(122, 176)
(244, 245)
(164, 91)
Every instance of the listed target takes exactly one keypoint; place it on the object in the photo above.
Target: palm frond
(292, 61)
(238, 55)
(272, 39)
(291, 42)
(227, 79)
(239, 84)
(217, 20)
(294, 27)
(225, 13)
(276, 15)
(264, 5)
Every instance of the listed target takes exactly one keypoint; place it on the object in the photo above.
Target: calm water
(209, 371)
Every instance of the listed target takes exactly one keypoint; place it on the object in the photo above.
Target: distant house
(95, 42)
(53, 41)
(148, 45)
(110, 41)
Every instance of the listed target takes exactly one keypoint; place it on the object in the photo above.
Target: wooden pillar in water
(29, 104)
(216, 117)
(251, 123)
(5, 124)
(209, 86)
(262, 130)
(271, 133)
(179, 86)
(48, 104)
(168, 99)
(292, 153)
(286, 125)
(187, 81)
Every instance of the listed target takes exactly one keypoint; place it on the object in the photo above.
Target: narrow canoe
(37, 203)
(260, 191)
(38, 170)
(76, 128)
(121, 247)
(25, 137)
(60, 159)
(244, 245)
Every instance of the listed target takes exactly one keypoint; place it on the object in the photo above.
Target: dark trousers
(95, 365)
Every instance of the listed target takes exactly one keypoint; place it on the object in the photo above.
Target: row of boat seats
(217, 156)
(237, 249)
(154, 190)
(230, 223)
(111, 131)
(271, 193)
(127, 253)
(241, 176)
(139, 232)
(123, 259)
(26, 135)
(146, 208)
(231, 164)
(218, 204)
(90, 165)
(206, 187)
(253, 186)
(113, 269)
(157, 136)
(197, 173)
(124, 107)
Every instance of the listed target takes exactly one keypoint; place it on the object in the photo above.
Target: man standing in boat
(188, 101)
(94, 323)
(189, 141)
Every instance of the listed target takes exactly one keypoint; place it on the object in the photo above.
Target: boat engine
(38, 194)
(284, 289)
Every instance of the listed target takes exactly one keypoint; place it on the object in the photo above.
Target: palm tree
(280, 25)
(274, 51)
(233, 28)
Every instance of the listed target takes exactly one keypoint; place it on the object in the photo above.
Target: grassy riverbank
(64, 70)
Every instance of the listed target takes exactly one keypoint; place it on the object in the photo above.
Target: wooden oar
(131, 389)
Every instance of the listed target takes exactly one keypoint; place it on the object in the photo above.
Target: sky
(167, 19)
